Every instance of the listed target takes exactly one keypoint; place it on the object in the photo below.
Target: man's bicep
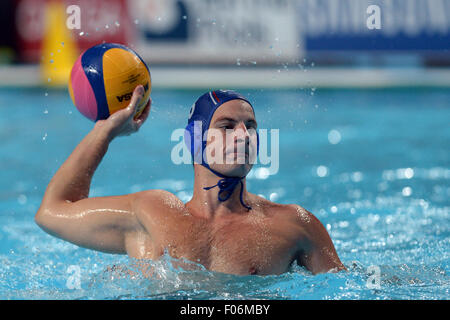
(318, 253)
(99, 223)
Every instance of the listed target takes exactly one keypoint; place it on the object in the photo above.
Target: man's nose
(242, 131)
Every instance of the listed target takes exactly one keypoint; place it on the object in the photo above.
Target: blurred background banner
(332, 29)
(100, 21)
(169, 31)
(247, 31)
(205, 31)
(285, 35)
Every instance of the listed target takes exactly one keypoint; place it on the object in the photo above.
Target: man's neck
(206, 202)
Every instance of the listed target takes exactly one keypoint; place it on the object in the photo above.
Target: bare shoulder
(295, 218)
(311, 225)
(301, 215)
(268, 208)
(293, 213)
(157, 200)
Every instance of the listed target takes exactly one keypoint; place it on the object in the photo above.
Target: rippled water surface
(372, 165)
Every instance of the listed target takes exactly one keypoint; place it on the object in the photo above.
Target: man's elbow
(40, 218)
(45, 220)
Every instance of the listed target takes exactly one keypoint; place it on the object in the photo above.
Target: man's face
(232, 142)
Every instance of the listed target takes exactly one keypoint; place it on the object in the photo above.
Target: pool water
(372, 165)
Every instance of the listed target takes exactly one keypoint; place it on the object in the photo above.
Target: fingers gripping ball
(103, 79)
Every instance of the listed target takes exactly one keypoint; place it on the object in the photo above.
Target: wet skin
(222, 236)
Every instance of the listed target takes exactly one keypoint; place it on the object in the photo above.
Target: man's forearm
(72, 180)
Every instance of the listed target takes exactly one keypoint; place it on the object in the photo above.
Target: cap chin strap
(227, 184)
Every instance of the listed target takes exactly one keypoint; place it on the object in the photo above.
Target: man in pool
(223, 227)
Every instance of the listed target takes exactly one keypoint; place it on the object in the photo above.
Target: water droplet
(62, 43)
(136, 21)
(51, 61)
(46, 94)
(107, 27)
(44, 137)
(49, 80)
(408, 173)
(22, 199)
(184, 17)
(407, 191)
(81, 33)
(334, 136)
(273, 196)
(45, 111)
(321, 171)
(117, 24)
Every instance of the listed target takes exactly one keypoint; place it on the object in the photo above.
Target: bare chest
(236, 246)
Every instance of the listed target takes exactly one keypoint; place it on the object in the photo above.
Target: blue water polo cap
(203, 110)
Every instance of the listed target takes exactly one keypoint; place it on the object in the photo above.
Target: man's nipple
(253, 270)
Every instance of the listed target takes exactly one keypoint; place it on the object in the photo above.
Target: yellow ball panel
(122, 72)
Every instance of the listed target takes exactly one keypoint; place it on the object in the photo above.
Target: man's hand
(122, 122)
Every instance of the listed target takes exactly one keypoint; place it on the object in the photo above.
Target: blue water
(372, 165)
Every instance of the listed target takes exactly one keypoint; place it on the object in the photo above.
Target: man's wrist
(104, 131)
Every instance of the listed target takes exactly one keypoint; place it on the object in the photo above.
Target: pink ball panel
(82, 91)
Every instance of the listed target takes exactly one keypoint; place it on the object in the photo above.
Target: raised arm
(101, 223)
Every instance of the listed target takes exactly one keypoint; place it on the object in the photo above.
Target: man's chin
(233, 170)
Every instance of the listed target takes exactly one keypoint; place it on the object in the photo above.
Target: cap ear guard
(189, 137)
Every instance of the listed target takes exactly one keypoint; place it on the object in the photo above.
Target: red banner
(100, 20)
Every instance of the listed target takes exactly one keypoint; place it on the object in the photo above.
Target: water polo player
(223, 227)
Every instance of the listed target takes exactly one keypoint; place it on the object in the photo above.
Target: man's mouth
(238, 153)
